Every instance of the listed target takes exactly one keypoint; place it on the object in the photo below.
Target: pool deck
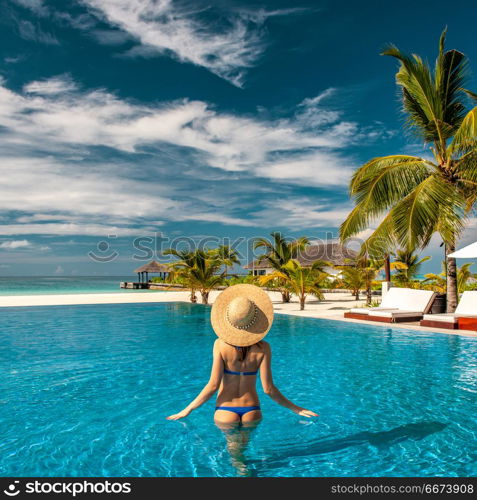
(333, 307)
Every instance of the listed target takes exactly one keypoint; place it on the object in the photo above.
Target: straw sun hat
(242, 315)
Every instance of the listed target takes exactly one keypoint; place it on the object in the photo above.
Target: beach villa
(333, 252)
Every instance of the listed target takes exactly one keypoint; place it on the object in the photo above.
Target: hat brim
(237, 336)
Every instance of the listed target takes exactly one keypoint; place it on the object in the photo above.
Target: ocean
(52, 285)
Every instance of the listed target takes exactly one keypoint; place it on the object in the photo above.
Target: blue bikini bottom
(239, 410)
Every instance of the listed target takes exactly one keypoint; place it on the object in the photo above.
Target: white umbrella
(468, 252)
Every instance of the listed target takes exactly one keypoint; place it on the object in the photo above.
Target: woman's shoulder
(263, 346)
(219, 343)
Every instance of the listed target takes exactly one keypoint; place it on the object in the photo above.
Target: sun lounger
(393, 297)
(399, 304)
(467, 308)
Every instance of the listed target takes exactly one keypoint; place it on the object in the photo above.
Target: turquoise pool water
(85, 391)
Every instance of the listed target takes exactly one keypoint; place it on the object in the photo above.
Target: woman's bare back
(239, 390)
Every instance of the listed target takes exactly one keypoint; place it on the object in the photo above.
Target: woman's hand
(306, 413)
(177, 416)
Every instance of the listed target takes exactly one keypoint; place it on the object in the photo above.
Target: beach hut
(153, 267)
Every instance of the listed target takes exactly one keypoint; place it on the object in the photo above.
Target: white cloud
(44, 117)
(67, 229)
(14, 244)
(470, 234)
(59, 270)
(110, 37)
(51, 131)
(309, 169)
(28, 31)
(66, 201)
(13, 60)
(50, 86)
(300, 212)
(175, 28)
(36, 6)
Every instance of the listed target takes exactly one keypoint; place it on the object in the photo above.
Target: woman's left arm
(209, 389)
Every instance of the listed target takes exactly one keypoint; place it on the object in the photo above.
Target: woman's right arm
(271, 390)
(209, 389)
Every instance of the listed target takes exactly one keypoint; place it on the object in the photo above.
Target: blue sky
(122, 119)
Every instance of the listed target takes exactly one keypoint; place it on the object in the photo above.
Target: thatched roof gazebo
(153, 267)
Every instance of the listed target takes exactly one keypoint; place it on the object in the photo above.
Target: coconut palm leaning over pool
(241, 317)
(419, 197)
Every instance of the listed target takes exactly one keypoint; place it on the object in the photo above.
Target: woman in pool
(241, 317)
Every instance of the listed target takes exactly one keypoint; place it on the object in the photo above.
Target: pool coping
(169, 297)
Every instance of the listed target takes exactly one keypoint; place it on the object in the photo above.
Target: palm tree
(182, 268)
(228, 256)
(302, 281)
(412, 265)
(438, 281)
(361, 273)
(464, 275)
(278, 252)
(204, 275)
(369, 269)
(419, 196)
(353, 278)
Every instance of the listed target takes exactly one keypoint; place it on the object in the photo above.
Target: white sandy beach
(333, 307)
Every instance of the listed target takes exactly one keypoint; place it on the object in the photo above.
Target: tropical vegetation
(200, 270)
(352, 278)
(227, 255)
(300, 280)
(278, 252)
(180, 270)
(411, 265)
(362, 274)
(466, 279)
(417, 197)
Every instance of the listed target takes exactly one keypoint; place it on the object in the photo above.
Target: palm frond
(378, 185)
(432, 101)
(451, 71)
(267, 278)
(471, 94)
(465, 138)
(432, 206)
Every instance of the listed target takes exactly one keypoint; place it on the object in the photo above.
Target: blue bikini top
(239, 373)
(230, 372)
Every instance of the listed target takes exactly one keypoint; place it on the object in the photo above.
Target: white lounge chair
(399, 304)
(467, 308)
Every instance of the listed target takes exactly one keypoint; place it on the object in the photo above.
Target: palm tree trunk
(451, 277)
(368, 295)
(193, 297)
(285, 296)
(356, 294)
(387, 267)
(205, 296)
(302, 302)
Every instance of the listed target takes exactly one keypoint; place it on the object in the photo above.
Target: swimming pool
(85, 391)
